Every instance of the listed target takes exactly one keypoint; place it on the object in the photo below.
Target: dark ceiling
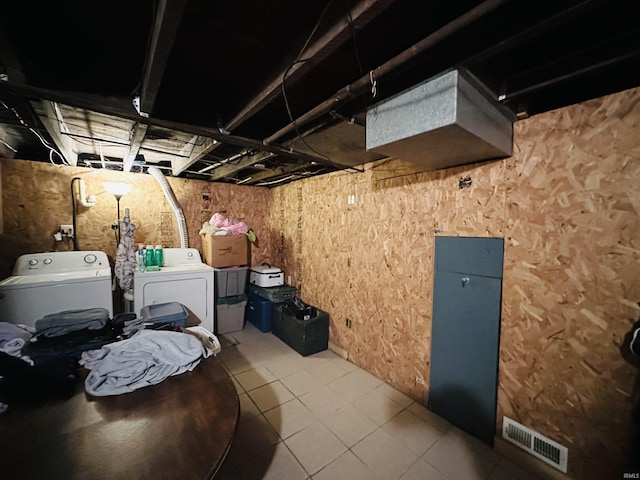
(268, 92)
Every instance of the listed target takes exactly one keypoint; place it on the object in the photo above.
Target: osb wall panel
(372, 262)
(36, 199)
(566, 204)
(571, 278)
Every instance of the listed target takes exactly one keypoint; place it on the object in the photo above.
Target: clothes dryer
(184, 278)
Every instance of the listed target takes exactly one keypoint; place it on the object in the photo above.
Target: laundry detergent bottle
(149, 257)
(159, 256)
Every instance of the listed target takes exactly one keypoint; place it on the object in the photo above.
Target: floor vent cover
(538, 445)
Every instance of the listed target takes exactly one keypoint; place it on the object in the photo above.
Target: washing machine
(44, 283)
(184, 278)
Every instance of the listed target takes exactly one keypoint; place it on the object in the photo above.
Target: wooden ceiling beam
(54, 123)
(229, 168)
(167, 21)
(274, 173)
(136, 138)
(197, 148)
(122, 108)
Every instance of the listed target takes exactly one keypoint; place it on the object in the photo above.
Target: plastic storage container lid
(164, 312)
(233, 300)
(266, 269)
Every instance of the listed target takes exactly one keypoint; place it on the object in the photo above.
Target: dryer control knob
(90, 258)
(33, 261)
(189, 254)
(47, 261)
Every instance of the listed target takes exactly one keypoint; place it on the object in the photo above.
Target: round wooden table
(181, 428)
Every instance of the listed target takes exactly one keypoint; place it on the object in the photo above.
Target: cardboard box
(221, 251)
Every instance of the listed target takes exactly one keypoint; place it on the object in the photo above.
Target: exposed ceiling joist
(229, 169)
(53, 122)
(138, 132)
(197, 148)
(167, 20)
(275, 173)
(207, 75)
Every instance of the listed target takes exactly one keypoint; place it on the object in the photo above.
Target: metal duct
(444, 122)
(171, 198)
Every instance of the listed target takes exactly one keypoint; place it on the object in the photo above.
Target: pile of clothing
(122, 355)
(221, 225)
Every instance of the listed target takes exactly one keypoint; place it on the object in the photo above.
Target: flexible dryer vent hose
(171, 198)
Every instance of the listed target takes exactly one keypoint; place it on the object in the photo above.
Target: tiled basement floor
(323, 418)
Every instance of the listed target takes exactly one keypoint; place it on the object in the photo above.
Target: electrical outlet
(66, 230)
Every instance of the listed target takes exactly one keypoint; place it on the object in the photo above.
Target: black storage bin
(305, 336)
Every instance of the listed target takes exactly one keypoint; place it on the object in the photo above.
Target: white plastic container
(266, 276)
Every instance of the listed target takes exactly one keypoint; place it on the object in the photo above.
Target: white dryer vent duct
(444, 122)
(171, 198)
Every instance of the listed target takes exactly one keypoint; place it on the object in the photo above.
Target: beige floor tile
(349, 425)
(474, 443)
(289, 418)
(326, 372)
(355, 384)
(315, 447)
(345, 364)
(394, 395)
(430, 417)
(322, 401)
(384, 455)
(248, 409)
(252, 379)
(238, 365)
(347, 466)
(270, 396)
(284, 366)
(276, 463)
(414, 433)
(515, 470)
(453, 456)
(377, 407)
(287, 394)
(423, 471)
(301, 382)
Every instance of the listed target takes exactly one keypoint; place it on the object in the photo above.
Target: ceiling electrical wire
(299, 59)
(284, 78)
(8, 146)
(42, 140)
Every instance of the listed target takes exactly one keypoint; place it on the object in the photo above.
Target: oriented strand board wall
(571, 278)
(567, 204)
(36, 199)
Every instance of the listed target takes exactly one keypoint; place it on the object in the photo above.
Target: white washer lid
(30, 281)
(175, 270)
